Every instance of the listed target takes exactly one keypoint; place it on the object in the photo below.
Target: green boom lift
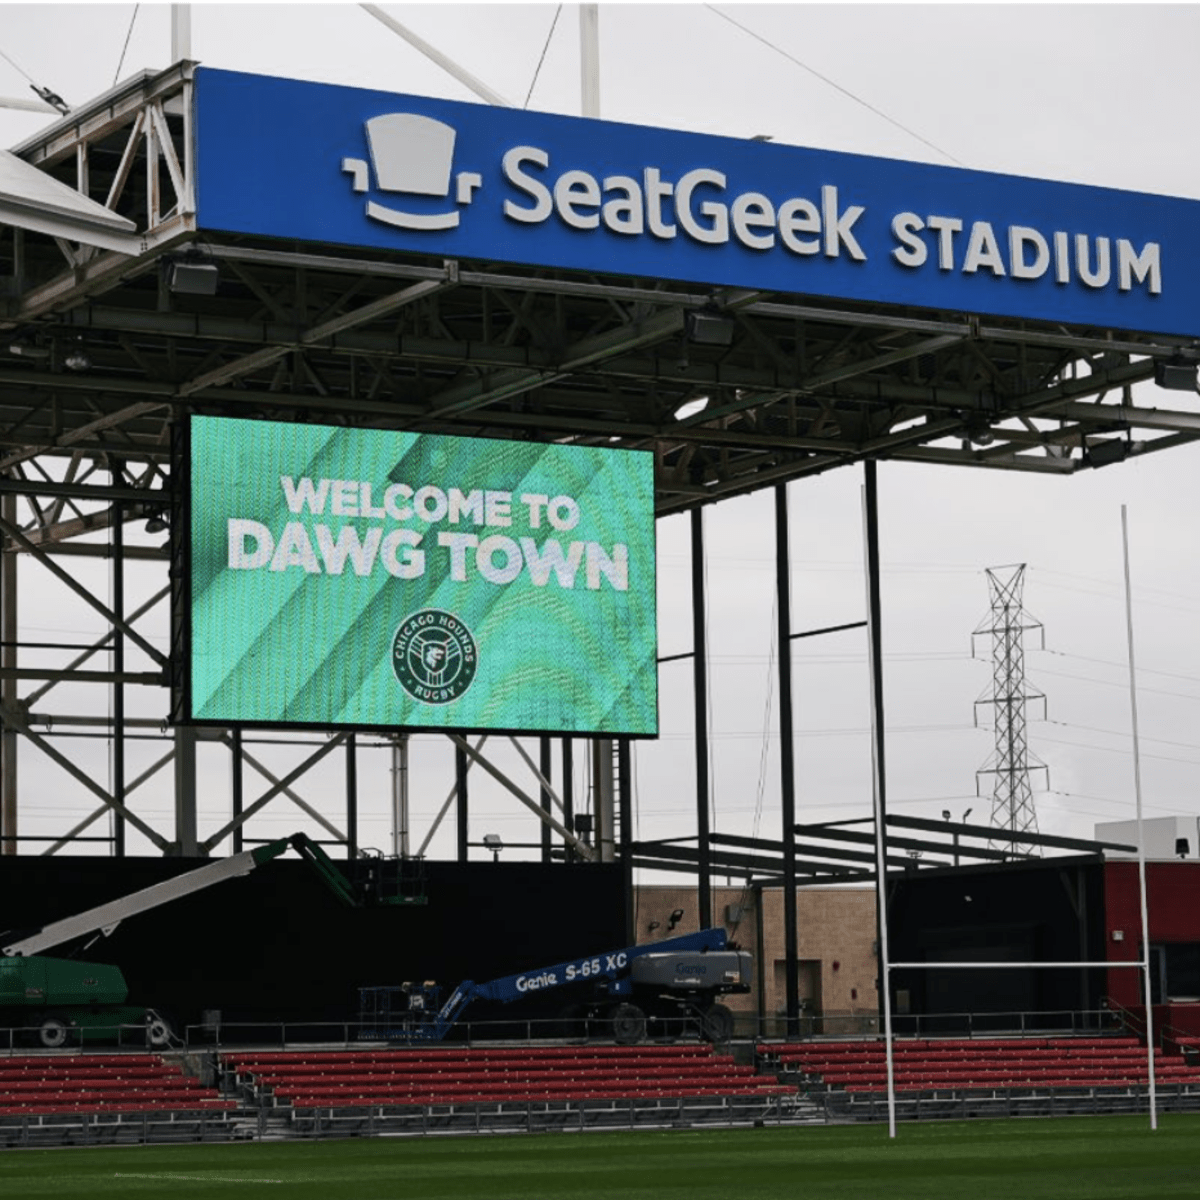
(55, 996)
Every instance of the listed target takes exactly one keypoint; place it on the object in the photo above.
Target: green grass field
(1092, 1158)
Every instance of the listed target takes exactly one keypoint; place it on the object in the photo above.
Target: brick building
(836, 931)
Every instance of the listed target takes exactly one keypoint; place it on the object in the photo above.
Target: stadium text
(699, 205)
(403, 552)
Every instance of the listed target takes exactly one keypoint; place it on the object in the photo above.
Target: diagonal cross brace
(584, 850)
(17, 721)
(270, 794)
(18, 536)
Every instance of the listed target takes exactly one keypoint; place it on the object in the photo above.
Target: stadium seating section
(457, 1075)
(943, 1065)
(53, 1085)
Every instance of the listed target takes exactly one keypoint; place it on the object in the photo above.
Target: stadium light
(1176, 375)
(192, 277)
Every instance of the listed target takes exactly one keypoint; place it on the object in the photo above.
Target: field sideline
(1089, 1158)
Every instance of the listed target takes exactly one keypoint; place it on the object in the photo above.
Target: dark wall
(278, 944)
(1050, 911)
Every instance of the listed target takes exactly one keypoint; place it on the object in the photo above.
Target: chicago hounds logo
(434, 656)
(411, 154)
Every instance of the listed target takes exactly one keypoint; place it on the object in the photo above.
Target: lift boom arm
(106, 917)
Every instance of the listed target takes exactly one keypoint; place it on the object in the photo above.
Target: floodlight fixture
(689, 408)
(495, 844)
(77, 358)
(675, 918)
(1182, 847)
(979, 429)
(1106, 451)
(709, 327)
(192, 277)
(1176, 374)
(945, 814)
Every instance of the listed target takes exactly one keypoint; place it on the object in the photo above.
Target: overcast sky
(1097, 94)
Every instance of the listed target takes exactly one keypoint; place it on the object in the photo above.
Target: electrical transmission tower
(1012, 761)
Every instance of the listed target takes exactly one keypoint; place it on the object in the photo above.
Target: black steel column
(876, 652)
(118, 661)
(235, 746)
(787, 782)
(568, 791)
(760, 957)
(625, 813)
(351, 796)
(544, 767)
(460, 776)
(700, 688)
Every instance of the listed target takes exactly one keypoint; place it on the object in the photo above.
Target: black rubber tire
(628, 1024)
(717, 1023)
(53, 1031)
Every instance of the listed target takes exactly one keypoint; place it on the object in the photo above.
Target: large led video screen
(362, 578)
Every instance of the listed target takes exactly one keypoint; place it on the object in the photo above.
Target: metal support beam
(603, 798)
(238, 787)
(9, 631)
(625, 804)
(400, 795)
(117, 535)
(282, 785)
(879, 774)
(589, 61)
(545, 768)
(461, 767)
(64, 576)
(294, 796)
(434, 55)
(568, 788)
(181, 32)
(584, 850)
(700, 709)
(462, 810)
(351, 796)
(13, 717)
(787, 768)
(187, 844)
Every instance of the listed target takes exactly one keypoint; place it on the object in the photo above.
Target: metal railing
(748, 1027)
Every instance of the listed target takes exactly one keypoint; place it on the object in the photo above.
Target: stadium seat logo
(434, 656)
(412, 155)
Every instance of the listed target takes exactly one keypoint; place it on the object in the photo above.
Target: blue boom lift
(675, 978)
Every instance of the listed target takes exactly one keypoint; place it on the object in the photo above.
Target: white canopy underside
(31, 199)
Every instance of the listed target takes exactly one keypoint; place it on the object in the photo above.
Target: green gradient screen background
(280, 635)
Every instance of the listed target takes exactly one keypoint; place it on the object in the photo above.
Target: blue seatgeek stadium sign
(287, 159)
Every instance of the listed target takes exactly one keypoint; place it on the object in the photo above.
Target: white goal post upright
(1141, 840)
(886, 966)
(880, 828)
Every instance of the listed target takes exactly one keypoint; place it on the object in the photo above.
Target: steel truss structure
(1013, 807)
(100, 359)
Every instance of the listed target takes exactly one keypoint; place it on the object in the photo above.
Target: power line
(124, 48)
(542, 59)
(836, 86)
(18, 66)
